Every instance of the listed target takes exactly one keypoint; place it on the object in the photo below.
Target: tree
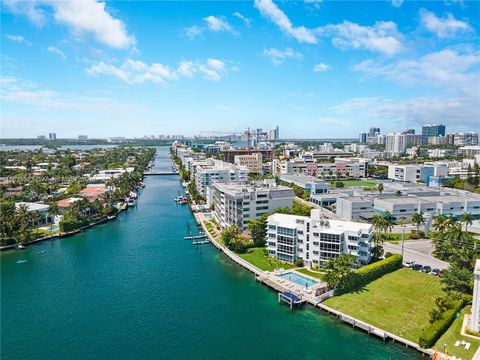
(229, 233)
(418, 219)
(380, 188)
(258, 230)
(467, 219)
(336, 270)
(398, 193)
(339, 184)
(239, 244)
(458, 279)
(24, 224)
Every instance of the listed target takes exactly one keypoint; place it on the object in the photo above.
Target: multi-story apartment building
(310, 183)
(253, 162)
(474, 323)
(432, 130)
(217, 171)
(396, 144)
(465, 139)
(315, 239)
(235, 204)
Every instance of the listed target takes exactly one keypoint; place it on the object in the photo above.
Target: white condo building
(235, 204)
(475, 319)
(217, 171)
(316, 240)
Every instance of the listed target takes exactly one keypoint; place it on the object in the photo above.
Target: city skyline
(317, 69)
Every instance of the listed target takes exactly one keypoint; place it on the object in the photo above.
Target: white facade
(316, 240)
(235, 204)
(475, 319)
(253, 162)
(353, 208)
(217, 171)
(396, 144)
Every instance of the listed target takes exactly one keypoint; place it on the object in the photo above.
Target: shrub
(432, 333)
(371, 272)
(69, 225)
(339, 184)
(299, 262)
(388, 254)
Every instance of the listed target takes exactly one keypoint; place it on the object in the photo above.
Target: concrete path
(416, 250)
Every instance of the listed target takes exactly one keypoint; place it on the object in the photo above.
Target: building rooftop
(32, 206)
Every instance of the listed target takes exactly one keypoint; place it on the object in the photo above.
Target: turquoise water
(298, 279)
(132, 288)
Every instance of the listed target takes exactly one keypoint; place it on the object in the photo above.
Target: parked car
(417, 267)
(426, 269)
(408, 264)
(435, 272)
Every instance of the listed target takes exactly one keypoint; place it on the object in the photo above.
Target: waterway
(134, 289)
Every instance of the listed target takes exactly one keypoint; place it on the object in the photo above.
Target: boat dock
(195, 237)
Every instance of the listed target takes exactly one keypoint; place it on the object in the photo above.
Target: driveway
(418, 251)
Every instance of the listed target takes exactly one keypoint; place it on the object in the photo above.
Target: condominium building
(253, 162)
(235, 204)
(474, 323)
(469, 151)
(310, 183)
(217, 171)
(396, 144)
(315, 239)
(432, 130)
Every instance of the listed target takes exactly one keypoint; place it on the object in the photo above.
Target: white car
(409, 264)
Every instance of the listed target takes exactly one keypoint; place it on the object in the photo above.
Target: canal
(133, 288)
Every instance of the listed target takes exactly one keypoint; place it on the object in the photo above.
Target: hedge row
(69, 225)
(371, 272)
(434, 331)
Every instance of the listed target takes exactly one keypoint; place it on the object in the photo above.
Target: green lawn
(453, 334)
(398, 302)
(354, 183)
(256, 257)
(310, 273)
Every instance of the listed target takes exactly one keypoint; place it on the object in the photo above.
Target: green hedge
(371, 272)
(69, 225)
(432, 333)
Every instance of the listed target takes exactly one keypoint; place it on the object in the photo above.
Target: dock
(290, 298)
(195, 237)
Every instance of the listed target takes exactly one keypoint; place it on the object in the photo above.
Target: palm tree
(53, 211)
(418, 219)
(441, 223)
(467, 219)
(24, 223)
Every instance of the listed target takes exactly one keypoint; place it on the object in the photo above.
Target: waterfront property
(316, 240)
(298, 279)
(236, 203)
(475, 318)
(398, 302)
(40, 209)
(217, 171)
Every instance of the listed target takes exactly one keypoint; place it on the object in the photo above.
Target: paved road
(418, 251)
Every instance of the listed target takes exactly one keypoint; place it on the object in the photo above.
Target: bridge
(167, 172)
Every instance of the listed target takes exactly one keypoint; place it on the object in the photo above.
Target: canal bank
(133, 288)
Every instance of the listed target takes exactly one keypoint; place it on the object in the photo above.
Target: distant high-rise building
(82, 137)
(374, 131)
(362, 138)
(395, 144)
(464, 139)
(52, 136)
(41, 137)
(408, 132)
(432, 130)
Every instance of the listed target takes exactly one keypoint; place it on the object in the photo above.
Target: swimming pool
(207, 216)
(298, 279)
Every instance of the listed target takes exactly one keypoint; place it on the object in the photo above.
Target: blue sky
(315, 68)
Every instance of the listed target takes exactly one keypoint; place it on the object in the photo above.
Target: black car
(435, 272)
(426, 269)
(417, 267)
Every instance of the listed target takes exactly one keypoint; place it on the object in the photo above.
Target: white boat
(21, 247)
(131, 202)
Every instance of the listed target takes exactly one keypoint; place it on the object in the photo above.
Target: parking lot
(416, 250)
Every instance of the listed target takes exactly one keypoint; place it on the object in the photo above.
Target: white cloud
(382, 37)
(216, 23)
(18, 38)
(212, 23)
(334, 122)
(321, 67)
(314, 3)
(24, 92)
(247, 21)
(446, 27)
(271, 11)
(56, 51)
(450, 68)
(453, 111)
(279, 56)
(86, 16)
(193, 31)
(138, 72)
(397, 3)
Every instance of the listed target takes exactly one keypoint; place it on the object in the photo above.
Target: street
(418, 251)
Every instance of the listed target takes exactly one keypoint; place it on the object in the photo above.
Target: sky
(314, 68)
